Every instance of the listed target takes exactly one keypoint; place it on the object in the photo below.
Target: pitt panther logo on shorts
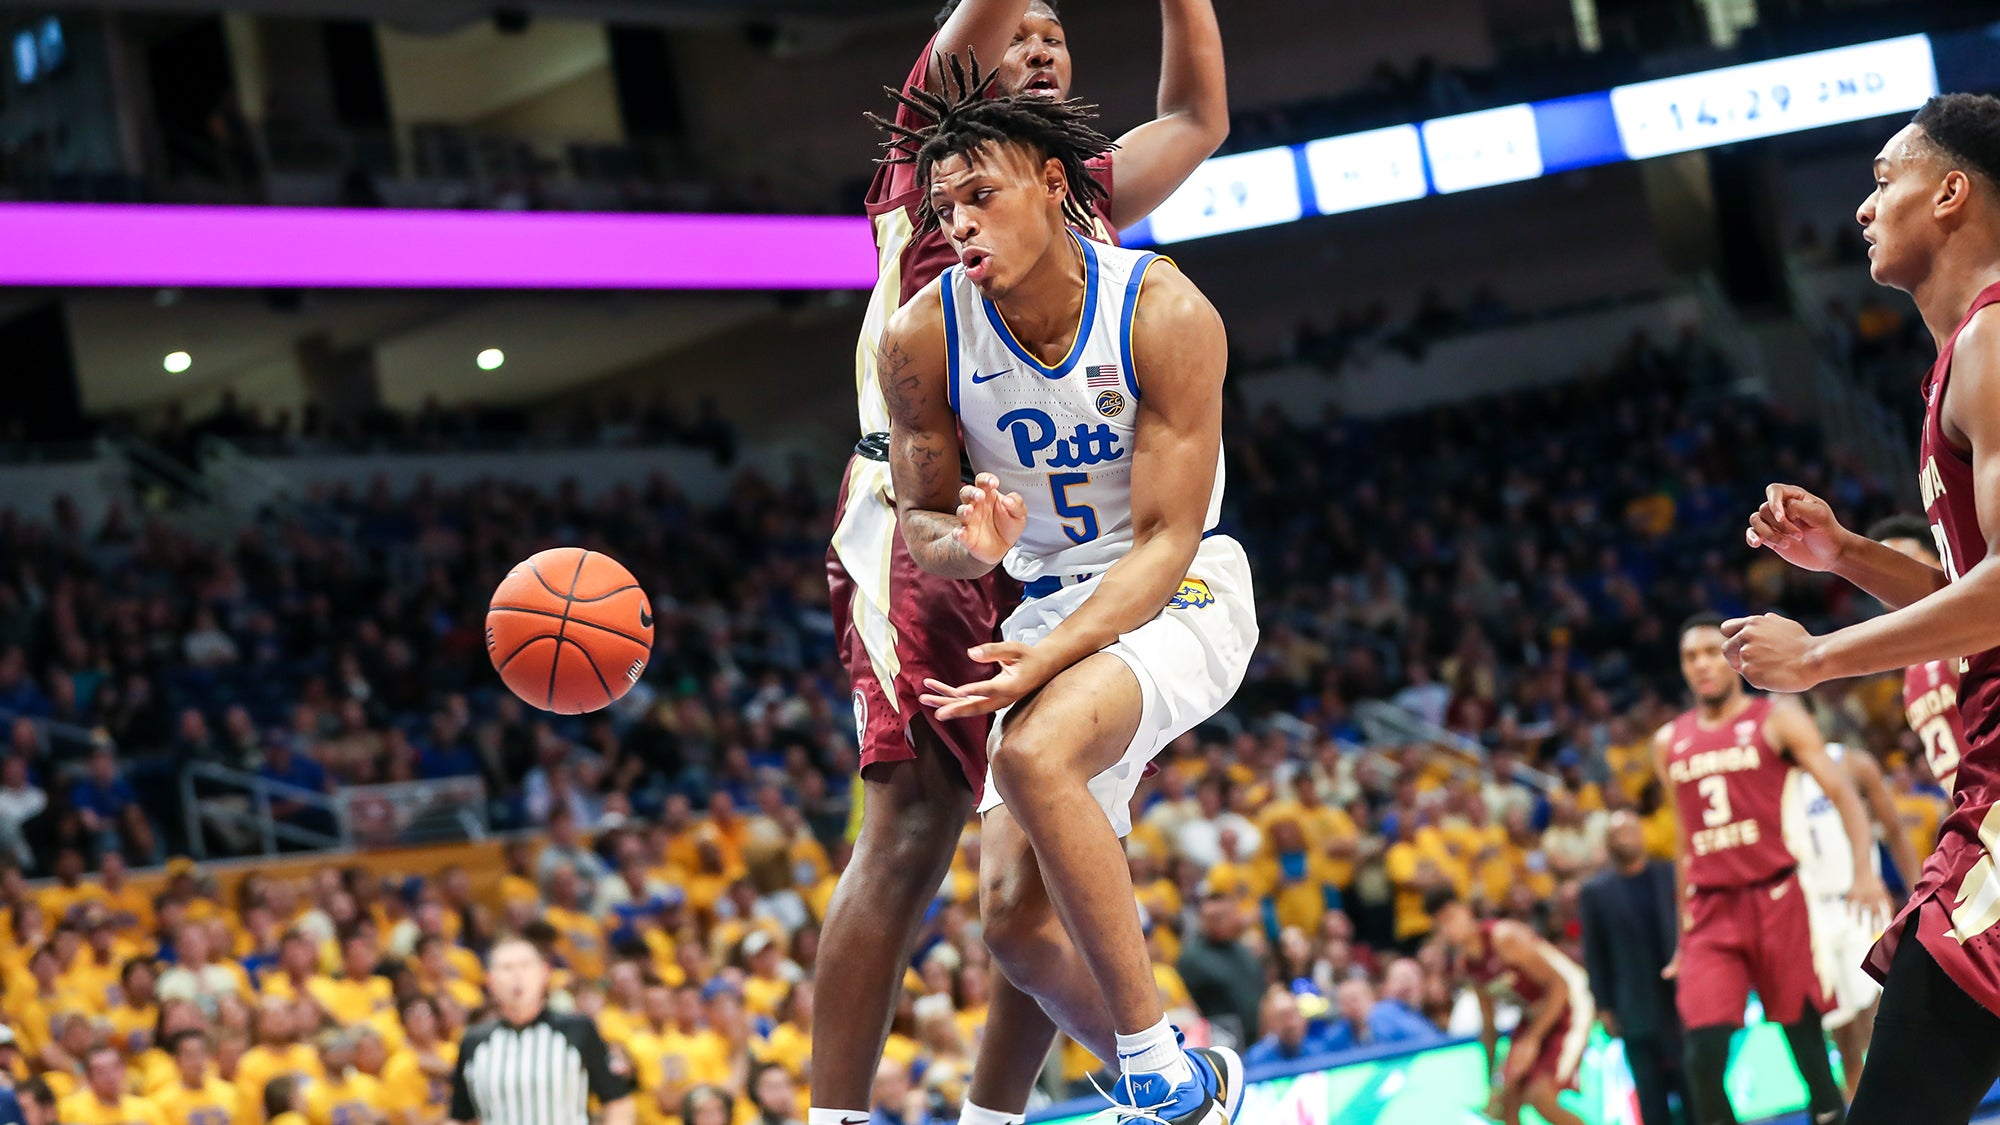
(1193, 594)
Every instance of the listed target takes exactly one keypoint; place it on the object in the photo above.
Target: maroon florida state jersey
(1484, 966)
(1730, 786)
(1930, 698)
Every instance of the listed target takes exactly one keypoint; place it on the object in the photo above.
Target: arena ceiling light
(490, 359)
(177, 362)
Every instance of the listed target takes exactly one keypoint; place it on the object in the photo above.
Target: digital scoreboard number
(1765, 99)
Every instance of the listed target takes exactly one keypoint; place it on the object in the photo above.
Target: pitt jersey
(1060, 435)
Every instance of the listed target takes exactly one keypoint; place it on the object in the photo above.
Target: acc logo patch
(1193, 594)
(1111, 404)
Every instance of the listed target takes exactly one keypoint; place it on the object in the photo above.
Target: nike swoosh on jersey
(977, 378)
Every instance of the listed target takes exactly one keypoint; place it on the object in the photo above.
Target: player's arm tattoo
(923, 461)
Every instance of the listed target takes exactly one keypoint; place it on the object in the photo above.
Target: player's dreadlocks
(963, 119)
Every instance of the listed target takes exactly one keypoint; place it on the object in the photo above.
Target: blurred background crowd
(693, 832)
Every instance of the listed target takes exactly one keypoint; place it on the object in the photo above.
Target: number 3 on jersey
(1716, 789)
(1073, 513)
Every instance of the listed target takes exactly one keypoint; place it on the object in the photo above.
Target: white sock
(838, 1116)
(980, 1115)
(1153, 1051)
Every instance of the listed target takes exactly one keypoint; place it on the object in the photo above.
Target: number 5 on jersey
(1072, 512)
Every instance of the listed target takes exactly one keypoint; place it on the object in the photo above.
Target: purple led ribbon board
(58, 244)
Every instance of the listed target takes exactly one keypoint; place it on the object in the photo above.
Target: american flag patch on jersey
(1101, 375)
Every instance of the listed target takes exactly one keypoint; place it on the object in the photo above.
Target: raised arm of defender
(1955, 620)
(1153, 159)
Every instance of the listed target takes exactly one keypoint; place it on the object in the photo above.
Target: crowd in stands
(616, 422)
(1508, 570)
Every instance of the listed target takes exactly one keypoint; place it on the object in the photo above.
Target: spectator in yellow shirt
(130, 909)
(1920, 808)
(437, 973)
(277, 1051)
(416, 1081)
(1324, 825)
(624, 1013)
(103, 1100)
(1296, 883)
(298, 966)
(69, 890)
(98, 965)
(344, 1095)
(137, 1013)
(518, 884)
(790, 1043)
(284, 1101)
(769, 977)
(1416, 866)
(197, 1095)
(358, 995)
(579, 937)
(155, 1066)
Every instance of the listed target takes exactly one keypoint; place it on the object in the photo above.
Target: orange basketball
(569, 630)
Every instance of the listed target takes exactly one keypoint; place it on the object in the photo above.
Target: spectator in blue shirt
(1401, 1006)
(1366, 1022)
(11, 1112)
(447, 752)
(102, 798)
(285, 765)
(1286, 1038)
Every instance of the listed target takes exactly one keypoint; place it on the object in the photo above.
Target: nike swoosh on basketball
(977, 378)
(645, 619)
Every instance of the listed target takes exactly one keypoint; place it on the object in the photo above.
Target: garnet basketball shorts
(1189, 661)
(1741, 939)
(898, 625)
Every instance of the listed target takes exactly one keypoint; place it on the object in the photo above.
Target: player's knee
(1014, 921)
(904, 842)
(1024, 762)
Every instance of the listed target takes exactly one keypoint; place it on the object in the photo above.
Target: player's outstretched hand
(1019, 674)
(1799, 526)
(1771, 652)
(1871, 898)
(990, 521)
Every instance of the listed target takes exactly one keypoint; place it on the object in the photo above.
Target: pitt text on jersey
(1705, 768)
(1034, 431)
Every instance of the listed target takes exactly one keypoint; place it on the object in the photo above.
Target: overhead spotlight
(490, 359)
(177, 362)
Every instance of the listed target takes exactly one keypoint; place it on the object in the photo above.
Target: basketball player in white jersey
(1087, 383)
(1842, 936)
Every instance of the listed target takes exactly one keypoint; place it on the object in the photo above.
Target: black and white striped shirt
(542, 1073)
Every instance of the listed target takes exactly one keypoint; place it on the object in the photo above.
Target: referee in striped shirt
(532, 1066)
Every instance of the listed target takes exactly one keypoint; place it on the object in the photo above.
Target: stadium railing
(234, 799)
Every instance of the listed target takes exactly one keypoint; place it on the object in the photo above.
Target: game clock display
(1764, 99)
